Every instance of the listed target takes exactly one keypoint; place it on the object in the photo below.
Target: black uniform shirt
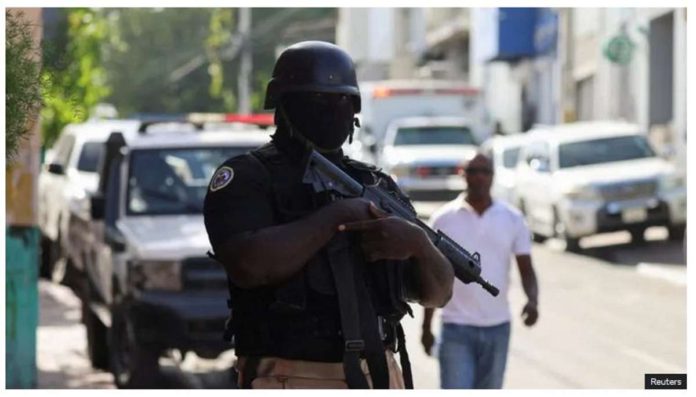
(238, 199)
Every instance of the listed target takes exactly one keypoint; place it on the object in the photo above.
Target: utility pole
(244, 78)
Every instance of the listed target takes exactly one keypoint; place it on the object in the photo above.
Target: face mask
(326, 120)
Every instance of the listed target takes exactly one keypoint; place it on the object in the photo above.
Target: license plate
(634, 215)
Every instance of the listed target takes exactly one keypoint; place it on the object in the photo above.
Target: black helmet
(314, 66)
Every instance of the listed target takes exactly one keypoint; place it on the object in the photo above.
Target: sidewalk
(61, 349)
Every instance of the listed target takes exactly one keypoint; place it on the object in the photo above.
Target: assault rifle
(323, 175)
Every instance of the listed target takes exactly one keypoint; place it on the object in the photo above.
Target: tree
(73, 78)
(146, 45)
(23, 99)
(219, 35)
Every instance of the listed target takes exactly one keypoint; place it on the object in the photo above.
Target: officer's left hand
(387, 237)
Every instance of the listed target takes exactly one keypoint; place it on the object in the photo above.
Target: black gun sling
(354, 303)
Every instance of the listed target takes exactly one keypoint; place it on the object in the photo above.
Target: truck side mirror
(114, 239)
(57, 169)
(97, 207)
(540, 165)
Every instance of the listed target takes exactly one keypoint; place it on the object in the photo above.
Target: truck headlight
(582, 193)
(156, 275)
(400, 170)
(671, 182)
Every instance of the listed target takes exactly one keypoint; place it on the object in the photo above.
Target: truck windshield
(439, 135)
(605, 150)
(173, 181)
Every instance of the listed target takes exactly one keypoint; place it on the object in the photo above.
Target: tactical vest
(338, 307)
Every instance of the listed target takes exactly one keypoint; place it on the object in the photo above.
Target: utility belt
(303, 337)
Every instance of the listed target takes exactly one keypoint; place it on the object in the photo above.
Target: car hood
(429, 154)
(608, 173)
(166, 237)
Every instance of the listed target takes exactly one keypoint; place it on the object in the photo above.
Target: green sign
(619, 49)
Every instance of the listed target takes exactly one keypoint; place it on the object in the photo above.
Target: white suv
(579, 179)
(66, 180)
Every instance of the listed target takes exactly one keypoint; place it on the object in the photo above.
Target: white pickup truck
(67, 178)
(426, 155)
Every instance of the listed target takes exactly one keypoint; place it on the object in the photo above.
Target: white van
(386, 101)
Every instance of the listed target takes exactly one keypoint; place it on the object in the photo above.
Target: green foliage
(73, 78)
(131, 57)
(146, 46)
(220, 35)
(22, 81)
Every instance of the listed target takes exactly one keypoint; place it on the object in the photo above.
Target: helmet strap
(356, 123)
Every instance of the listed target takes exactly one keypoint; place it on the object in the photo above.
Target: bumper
(191, 320)
(584, 218)
(446, 187)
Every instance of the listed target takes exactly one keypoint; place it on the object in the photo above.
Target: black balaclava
(323, 119)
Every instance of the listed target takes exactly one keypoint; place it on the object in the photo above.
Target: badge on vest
(222, 178)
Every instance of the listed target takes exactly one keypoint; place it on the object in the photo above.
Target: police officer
(318, 284)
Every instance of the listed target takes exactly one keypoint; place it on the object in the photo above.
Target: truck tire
(572, 244)
(677, 232)
(637, 236)
(134, 366)
(46, 258)
(97, 344)
(536, 237)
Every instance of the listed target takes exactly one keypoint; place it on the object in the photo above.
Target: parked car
(504, 151)
(149, 285)
(426, 155)
(68, 176)
(579, 179)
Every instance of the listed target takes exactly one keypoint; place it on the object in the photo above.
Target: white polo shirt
(498, 235)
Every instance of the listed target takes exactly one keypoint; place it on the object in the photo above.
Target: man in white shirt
(475, 325)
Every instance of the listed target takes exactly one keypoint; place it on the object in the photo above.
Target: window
(64, 148)
(89, 156)
(173, 181)
(604, 150)
(440, 135)
(510, 157)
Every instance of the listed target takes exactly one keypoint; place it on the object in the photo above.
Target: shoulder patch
(222, 178)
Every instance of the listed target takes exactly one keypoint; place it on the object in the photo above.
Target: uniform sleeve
(522, 244)
(238, 199)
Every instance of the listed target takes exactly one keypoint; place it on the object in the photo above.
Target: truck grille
(202, 273)
(629, 190)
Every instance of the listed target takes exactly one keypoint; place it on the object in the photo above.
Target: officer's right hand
(351, 210)
(427, 340)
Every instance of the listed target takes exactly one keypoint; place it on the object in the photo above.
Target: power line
(237, 42)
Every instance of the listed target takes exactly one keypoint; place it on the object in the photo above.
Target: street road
(607, 316)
